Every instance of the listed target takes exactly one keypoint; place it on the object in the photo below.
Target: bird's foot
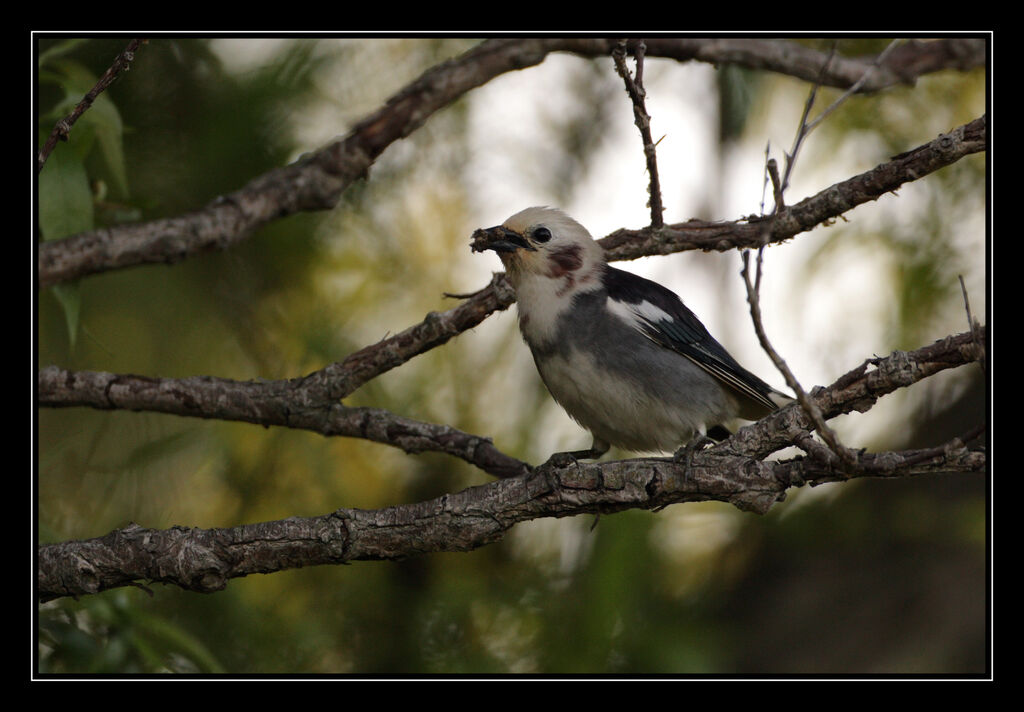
(564, 459)
(685, 454)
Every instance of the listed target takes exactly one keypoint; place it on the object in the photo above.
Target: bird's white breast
(614, 409)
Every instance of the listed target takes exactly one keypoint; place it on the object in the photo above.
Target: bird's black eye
(541, 234)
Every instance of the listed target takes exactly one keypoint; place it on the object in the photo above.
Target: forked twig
(806, 126)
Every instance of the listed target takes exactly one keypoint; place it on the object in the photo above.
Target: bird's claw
(685, 454)
(564, 459)
(560, 460)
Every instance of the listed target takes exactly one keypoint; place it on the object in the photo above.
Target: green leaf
(59, 49)
(165, 638)
(65, 200)
(65, 208)
(71, 302)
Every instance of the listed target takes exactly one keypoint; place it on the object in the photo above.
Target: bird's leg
(564, 459)
(697, 443)
(718, 432)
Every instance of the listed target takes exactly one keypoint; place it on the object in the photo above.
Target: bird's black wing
(662, 317)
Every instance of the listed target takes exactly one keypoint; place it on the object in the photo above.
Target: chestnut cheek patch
(565, 260)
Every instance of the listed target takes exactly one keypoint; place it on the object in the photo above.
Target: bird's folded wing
(661, 316)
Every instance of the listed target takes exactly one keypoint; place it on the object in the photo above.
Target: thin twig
(802, 130)
(635, 89)
(806, 126)
(772, 168)
(848, 457)
(972, 325)
(62, 129)
(967, 303)
(856, 86)
(764, 182)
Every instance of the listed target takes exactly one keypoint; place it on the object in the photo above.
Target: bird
(621, 354)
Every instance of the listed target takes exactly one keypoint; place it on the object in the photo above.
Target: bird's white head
(549, 258)
(544, 243)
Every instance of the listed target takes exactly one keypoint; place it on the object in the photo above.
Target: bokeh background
(870, 577)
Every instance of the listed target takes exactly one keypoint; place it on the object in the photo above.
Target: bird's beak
(499, 239)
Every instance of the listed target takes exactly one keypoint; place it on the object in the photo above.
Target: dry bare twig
(62, 129)
(806, 126)
(848, 457)
(637, 94)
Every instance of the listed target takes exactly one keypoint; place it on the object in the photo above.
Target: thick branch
(285, 403)
(288, 403)
(316, 181)
(911, 60)
(732, 471)
(903, 66)
(205, 560)
(820, 208)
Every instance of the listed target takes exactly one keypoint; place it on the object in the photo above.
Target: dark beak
(499, 239)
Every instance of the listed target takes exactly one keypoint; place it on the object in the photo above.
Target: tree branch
(316, 181)
(285, 403)
(910, 61)
(820, 208)
(731, 471)
(341, 379)
(859, 389)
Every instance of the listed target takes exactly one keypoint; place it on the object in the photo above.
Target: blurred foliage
(110, 634)
(866, 577)
(737, 88)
